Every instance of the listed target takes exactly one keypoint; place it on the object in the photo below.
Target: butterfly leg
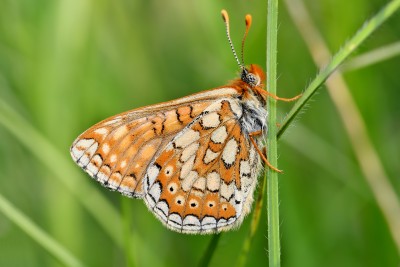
(266, 93)
(263, 157)
(282, 98)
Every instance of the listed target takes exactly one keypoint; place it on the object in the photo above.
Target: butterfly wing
(203, 181)
(117, 151)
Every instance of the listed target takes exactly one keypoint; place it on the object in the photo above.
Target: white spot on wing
(208, 223)
(80, 147)
(248, 181)
(152, 174)
(115, 180)
(245, 168)
(219, 135)
(191, 223)
(76, 153)
(187, 167)
(175, 220)
(91, 169)
(189, 151)
(83, 161)
(210, 156)
(123, 164)
(226, 191)
(101, 131)
(162, 210)
(94, 165)
(189, 180)
(210, 120)
(230, 151)
(237, 110)
(105, 148)
(92, 149)
(187, 138)
(97, 161)
(154, 194)
(238, 202)
(101, 177)
(221, 223)
(120, 131)
(84, 144)
(200, 184)
(149, 201)
(113, 158)
(213, 181)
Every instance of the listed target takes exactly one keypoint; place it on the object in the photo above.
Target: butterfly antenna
(248, 24)
(225, 17)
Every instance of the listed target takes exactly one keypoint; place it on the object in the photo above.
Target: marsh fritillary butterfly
(194, 160)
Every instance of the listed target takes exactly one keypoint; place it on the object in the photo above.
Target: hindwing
(204, 179)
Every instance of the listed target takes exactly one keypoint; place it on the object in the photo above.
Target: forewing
(117, 151)
(203, 181)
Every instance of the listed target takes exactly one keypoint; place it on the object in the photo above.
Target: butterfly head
(253, 76)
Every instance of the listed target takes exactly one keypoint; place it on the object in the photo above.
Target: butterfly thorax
(254, 115)
(252, 100)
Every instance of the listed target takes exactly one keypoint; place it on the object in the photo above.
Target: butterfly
(194, 160)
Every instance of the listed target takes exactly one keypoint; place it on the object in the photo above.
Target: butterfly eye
(250, 78)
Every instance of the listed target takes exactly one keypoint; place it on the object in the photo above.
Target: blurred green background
(65, 65)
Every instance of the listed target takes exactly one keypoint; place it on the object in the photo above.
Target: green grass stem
(354, 124)
(366, 30)
(270, 175)
(37, 234)
(208, 254)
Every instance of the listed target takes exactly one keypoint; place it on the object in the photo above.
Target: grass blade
(37, 234)
(208, 254)
(367, 29)
(270, 175)
(366, 154)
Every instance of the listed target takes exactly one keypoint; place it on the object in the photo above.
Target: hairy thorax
(254, 117)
